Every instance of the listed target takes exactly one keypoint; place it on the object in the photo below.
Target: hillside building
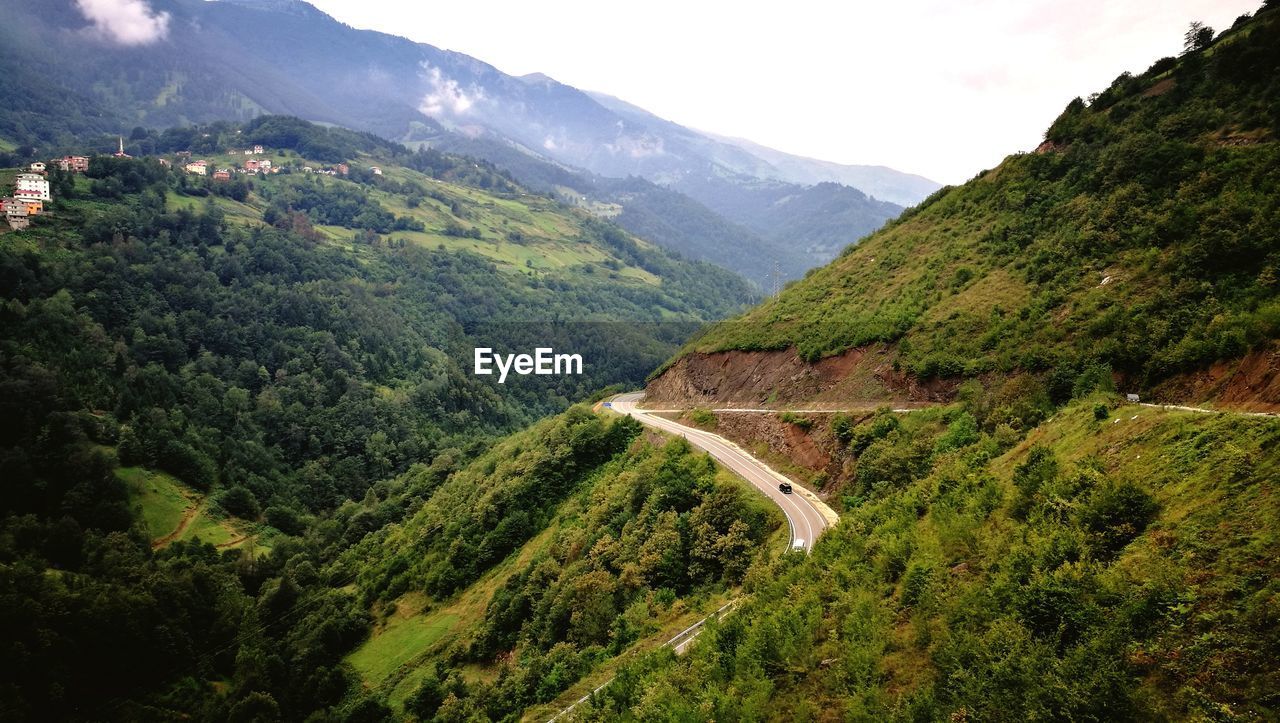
(38, 167)
(73, 164)
(15, 213)
(32, 185)
(222, 174)
(199, 168)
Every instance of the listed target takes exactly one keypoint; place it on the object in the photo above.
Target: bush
(792, 418)
(1115, 514)
(239, 501)
(285, 519)
(703, 418)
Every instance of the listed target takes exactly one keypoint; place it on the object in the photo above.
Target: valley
(345, 378)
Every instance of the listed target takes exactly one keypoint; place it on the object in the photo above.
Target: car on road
(784, 488)
(797, 545)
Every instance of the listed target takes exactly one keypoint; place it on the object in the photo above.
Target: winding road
(808, 516)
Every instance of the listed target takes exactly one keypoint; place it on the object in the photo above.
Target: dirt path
(188, 515)
(233, 543)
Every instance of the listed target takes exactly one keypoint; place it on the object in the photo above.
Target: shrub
(1115, 514)
(792, 418)
(239, 501)
(703, 418)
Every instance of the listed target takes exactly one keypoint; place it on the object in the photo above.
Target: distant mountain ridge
(748, 158)
(236, 59)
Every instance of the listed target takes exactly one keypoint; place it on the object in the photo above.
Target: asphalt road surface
(807, 515)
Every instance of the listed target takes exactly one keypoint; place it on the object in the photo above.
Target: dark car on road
(784, 488)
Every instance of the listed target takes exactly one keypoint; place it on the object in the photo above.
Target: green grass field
(162, 497)
(173, 511)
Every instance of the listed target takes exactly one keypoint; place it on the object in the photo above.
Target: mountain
(746, 158)
(235, 59)
(1030, 544)
(200, 370)
(1138, 241)
(882, 182)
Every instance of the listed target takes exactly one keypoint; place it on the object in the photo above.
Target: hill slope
(1111, 565)
(236, 59)
(1140, 239)
(279, 345)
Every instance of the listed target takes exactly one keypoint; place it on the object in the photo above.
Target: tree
(240, 502)
(1197, 38)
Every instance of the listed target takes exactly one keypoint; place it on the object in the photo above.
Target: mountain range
(235, 59)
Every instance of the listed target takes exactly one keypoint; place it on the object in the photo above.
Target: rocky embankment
(779, 379)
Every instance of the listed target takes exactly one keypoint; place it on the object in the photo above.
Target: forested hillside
(1140, 237)
(546, 558)
(188, 361)
(1111, 563)
(1040, 547)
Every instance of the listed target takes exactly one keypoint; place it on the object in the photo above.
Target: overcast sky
(935, 87)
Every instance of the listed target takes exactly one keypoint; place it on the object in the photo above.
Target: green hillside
(207, 382)
(1142, 236)
(567, 545)
(1112, 565)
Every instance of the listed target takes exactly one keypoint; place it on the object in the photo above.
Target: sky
(936, 87)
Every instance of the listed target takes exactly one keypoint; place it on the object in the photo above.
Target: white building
(200, 168)
(38, 167)
(32, 185)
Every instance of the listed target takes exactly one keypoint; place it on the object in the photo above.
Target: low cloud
(446, 97)
(125, 22)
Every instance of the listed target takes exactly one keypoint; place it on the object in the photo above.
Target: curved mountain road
(808, 516)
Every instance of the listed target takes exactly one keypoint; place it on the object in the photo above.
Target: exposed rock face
(781, 378)
(1251, 383)
(814, 449)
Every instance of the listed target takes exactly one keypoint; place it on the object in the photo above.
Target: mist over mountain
(176, 62)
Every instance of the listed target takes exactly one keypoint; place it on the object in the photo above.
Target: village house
(32, 185)
(165, 162)
(199, 168)
(222, 174)
(265, 165)
(18, 221)
(73, 164)
(15, 213)
(251, 166)
(34, 207)
(376, 171)
(344, 169)
(38, 167)
(257, 150)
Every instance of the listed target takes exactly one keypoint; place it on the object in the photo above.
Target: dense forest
(271, 351)
(599, 565)
(1142, 236)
